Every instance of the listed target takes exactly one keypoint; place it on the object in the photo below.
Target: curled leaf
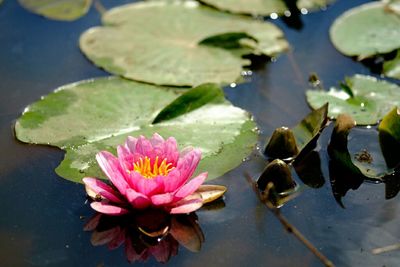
(209, 193)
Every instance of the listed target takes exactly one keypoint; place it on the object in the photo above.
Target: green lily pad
(58, 9)
(313, 4)
(366, 30)
(160, 42)
(249, 7)
(87, 117)
(391, 68)
(365, 98)
(263, 7)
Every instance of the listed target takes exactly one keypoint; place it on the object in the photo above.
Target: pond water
(42, 215)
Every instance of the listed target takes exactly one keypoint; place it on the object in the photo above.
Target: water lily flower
(147, 173)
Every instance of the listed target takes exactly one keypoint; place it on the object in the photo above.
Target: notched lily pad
(287, 143)
(366, 30)
(365, 98)
(99, 114)
(57, 9)
(153, 42)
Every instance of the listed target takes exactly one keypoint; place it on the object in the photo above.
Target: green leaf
(191, 100)
(58, 9)
(391, 68)
(310, 127)
(371, 100)
(358, 151)
(389, 137)
(99, 114)
(161, 43)
(287, 143)
(366, 30)
(249, 7)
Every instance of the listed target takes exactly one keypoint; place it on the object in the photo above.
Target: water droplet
(233, 85)
(287, 13)
(247, 73)
(273, 16)
(273, 59)
(304, 11)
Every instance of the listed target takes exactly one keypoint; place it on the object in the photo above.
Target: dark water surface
(40, 220)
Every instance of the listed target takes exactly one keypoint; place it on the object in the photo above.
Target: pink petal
(110, 166)
(125, 158)
(170, 151)
(130, 144)
(187, 206)
(137, 200)
(144, 147)
(103, 237)
(102, 189)
(156, 140)
(188, 162)
(162, 199)
(150, 187)
(174, 180)
(190, 187)
(108, 209)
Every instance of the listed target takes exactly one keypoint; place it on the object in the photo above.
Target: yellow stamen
(148, 171)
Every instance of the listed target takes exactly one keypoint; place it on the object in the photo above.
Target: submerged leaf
(160, 42)
(366, 30)
(87, 117)
(371, 99)
(58, 9)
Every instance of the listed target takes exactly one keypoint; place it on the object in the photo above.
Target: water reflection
(146, 234)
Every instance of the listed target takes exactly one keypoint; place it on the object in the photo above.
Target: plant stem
(285, 223)
(99, 7)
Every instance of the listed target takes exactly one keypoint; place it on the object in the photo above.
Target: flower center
(144, 167)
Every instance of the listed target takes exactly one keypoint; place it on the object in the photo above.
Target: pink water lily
(147, 172)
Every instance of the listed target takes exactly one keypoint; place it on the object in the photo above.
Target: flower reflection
(150, 233)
